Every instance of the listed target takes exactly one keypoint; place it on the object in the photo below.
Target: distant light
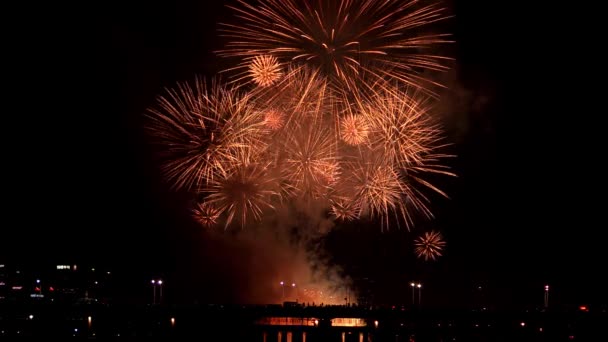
(109, 273)
(583, 308)
(2, 266)
(17, 288)
(172, 321)
(419, 285)
(93, 269)
(75, 267)
(523, 324)
(316, 322)
(293, 284)
(51, 289)
(96, 282)
(412, 284)
(37, 281)
(546, 287)
(160, 282)
(31, 316)
(281, 283)
(540, 329)
(75, 329)
(153, 281)
(2, 283)
(376, 324)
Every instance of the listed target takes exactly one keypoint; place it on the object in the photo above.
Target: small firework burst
(206, 214)
(402, 126)
(243, 191)
(353, 129)
(274, 119)
(265, 70)
(311, 163)
(344, 209)
(429, 245)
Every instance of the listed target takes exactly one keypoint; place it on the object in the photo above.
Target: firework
(345, 209)
(379, 190)
(311, 162)
(334, 109)
(402, 128)
(354, 129)
(205, 214)
(341, 39)
(429, 245)
(274, 119)
(201, 129)
(265, 70)
(242, 191)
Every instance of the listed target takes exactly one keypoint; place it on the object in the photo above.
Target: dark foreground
(293, 324)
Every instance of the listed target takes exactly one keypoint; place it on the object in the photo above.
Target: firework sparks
(354, 129)
(311, 162)
(345, 209)
(324, 72)
(206, 214)
(265, 70)
(202, 129)
(242, 191)
(274, 119)
(341, 39)
(429, 245)
(402, 127)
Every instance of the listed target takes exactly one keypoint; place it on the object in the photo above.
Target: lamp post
(153, 291)
(419, 286)
(546, 296)
(160, 291)
(282, 291)
(293, 286)
(413, 285)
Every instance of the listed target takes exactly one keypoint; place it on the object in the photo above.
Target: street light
(419, 293)
(546, 296)
(153, 291)
(160, 286)
(413, 285)
(293, 286)
(282, 291)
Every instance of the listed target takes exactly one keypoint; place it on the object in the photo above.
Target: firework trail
(384, 40)
(429, 245)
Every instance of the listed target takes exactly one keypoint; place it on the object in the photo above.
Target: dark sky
(81, 184)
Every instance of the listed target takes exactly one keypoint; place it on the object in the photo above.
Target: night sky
(83, 184)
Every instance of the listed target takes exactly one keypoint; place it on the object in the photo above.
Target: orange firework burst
(402, 127)
(242, 191)
(342, 39)
(354, 129)
(429, 245)
(274, 119)
(201, 129)
(265, 70)
(311, 161)
(344, 209)
(206, 214)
